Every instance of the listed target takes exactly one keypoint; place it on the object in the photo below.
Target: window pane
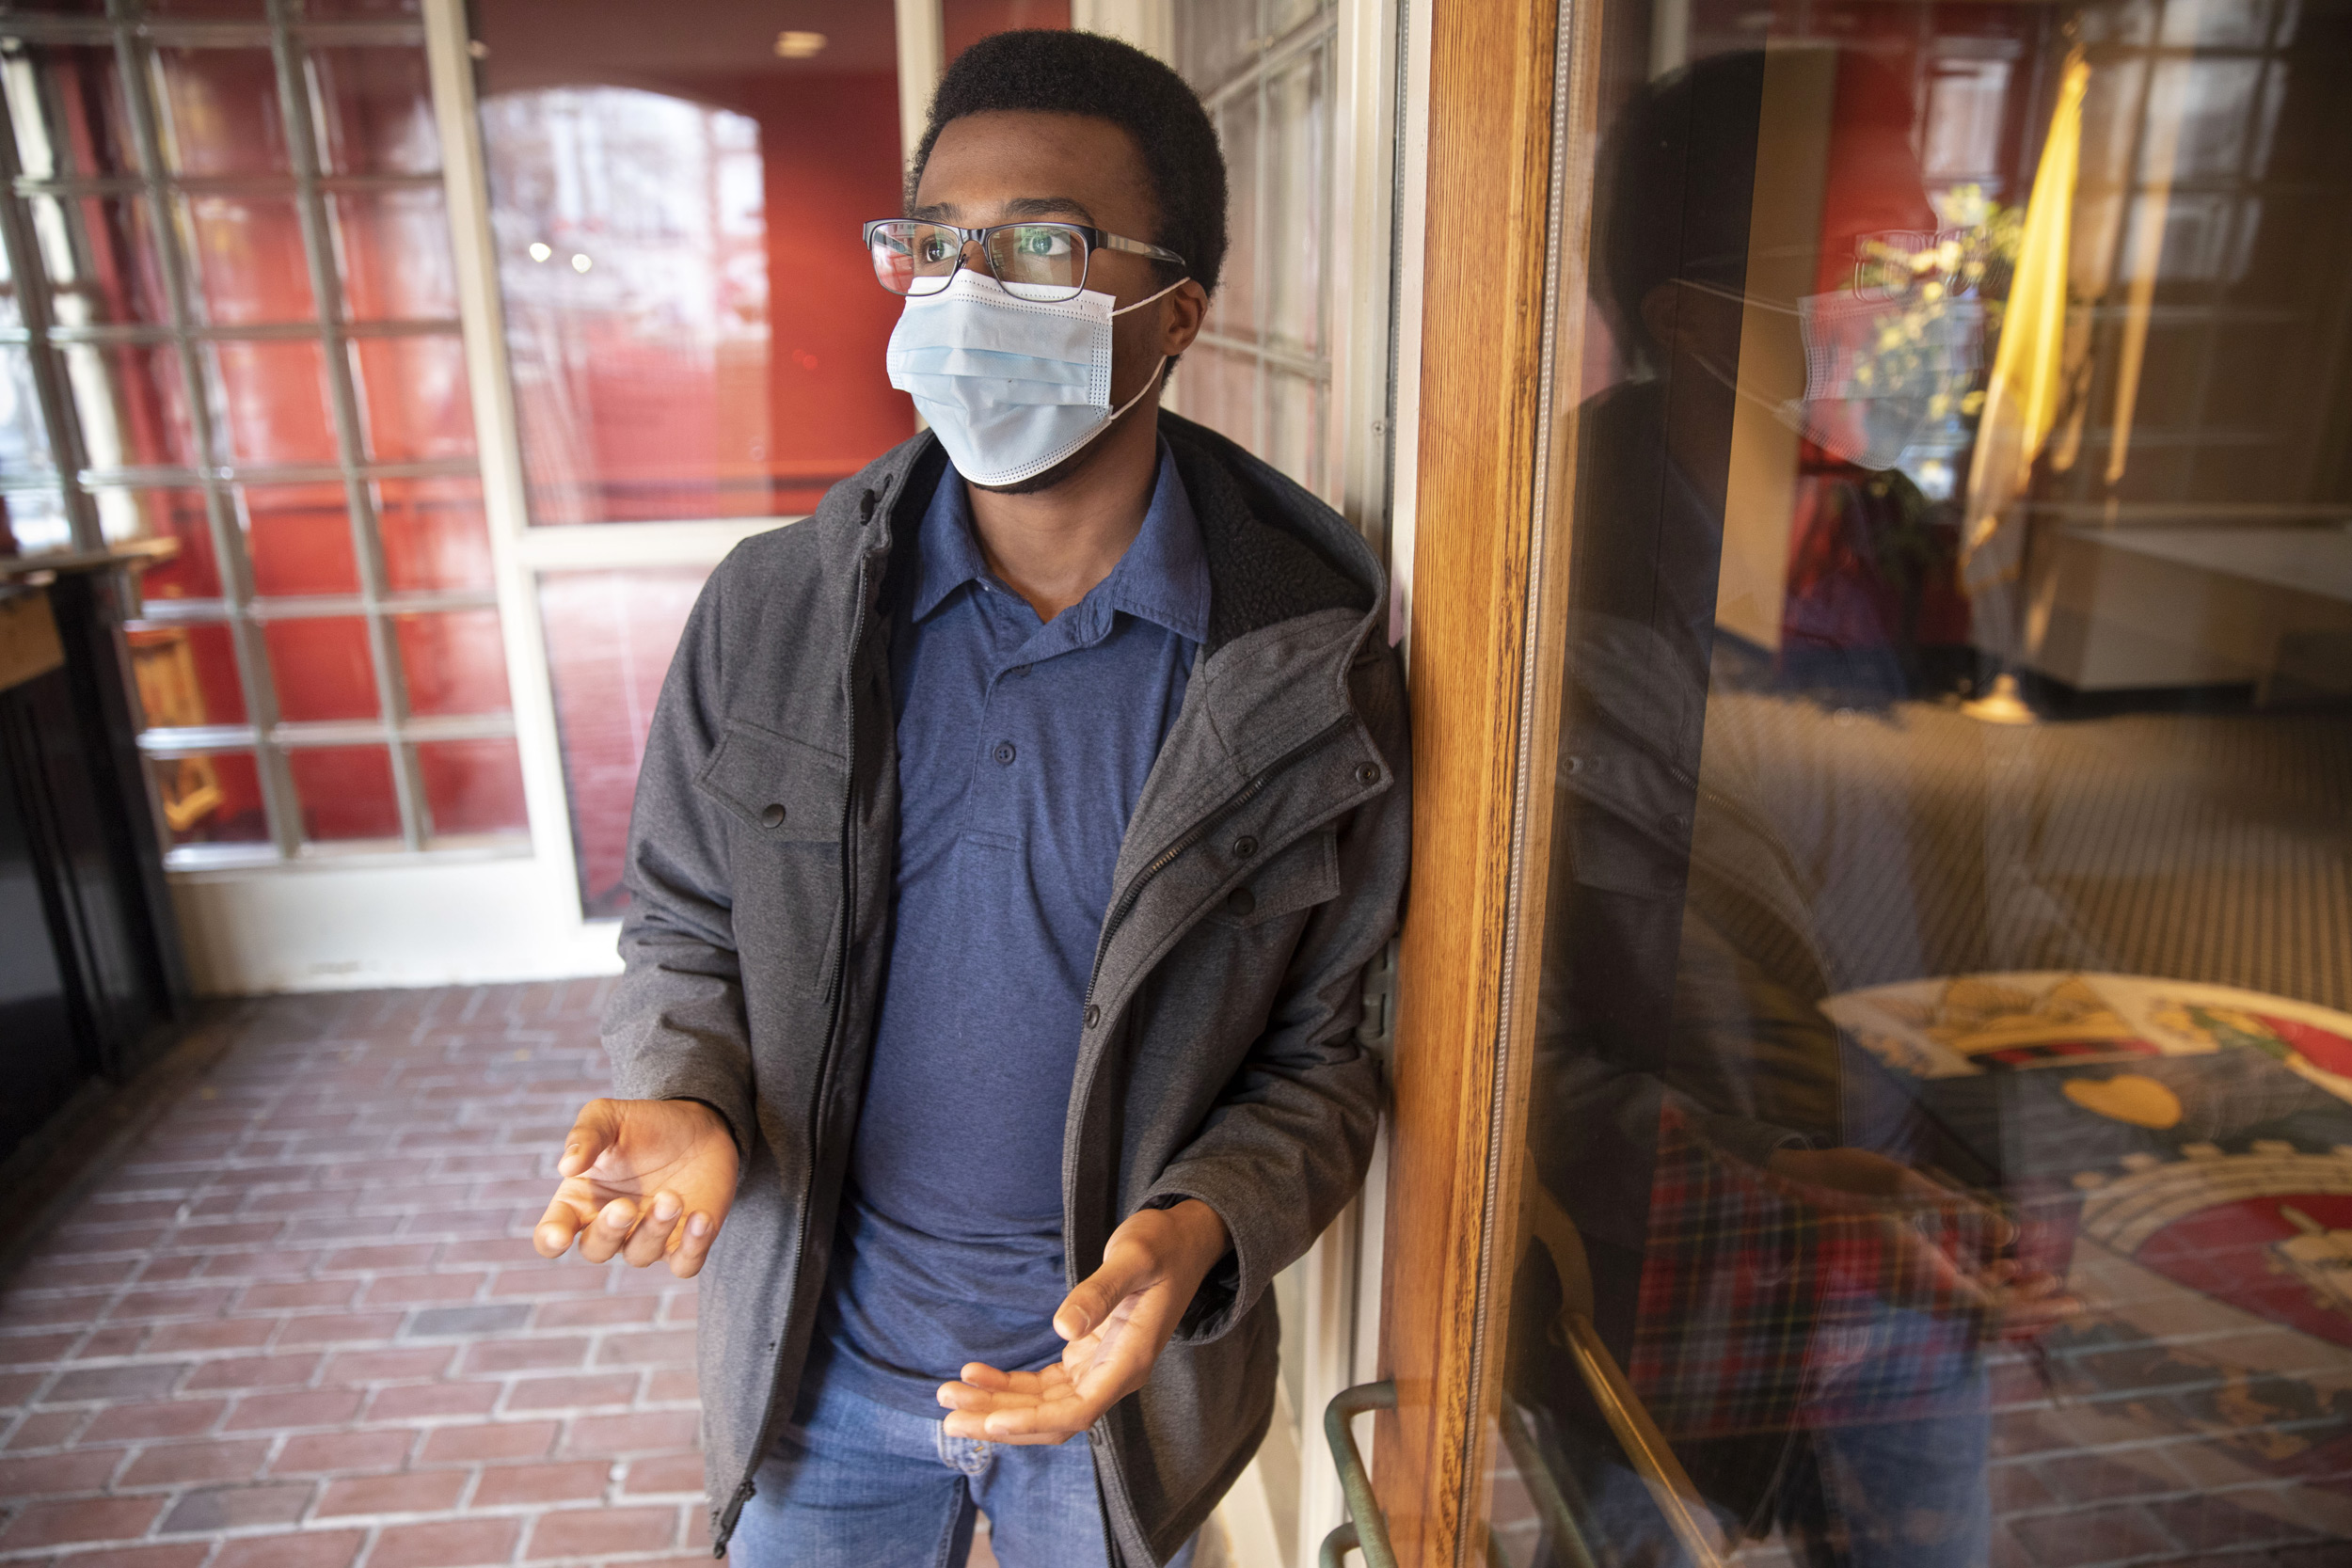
(186, 675)
(345, 793)
(132, 404)
(33, 521)
(1212, 40)
(394, 250)
(322, 667)
(67, 111)
(434, 533)
(1299, 121)
(11, 308)
(454, 660)
(99, 255)
(270, 402)
(695, 331)
(376, 111)
(220, 113)
(1234, 312)
(193, 574)
(23, 436)
(1281, 16)
(609, 638)
(298, 538)
(211, 798)
(1941, 1061)
(414, 396)
(1220, 389)
(1294, 429)
(250, 265)
(473, 786)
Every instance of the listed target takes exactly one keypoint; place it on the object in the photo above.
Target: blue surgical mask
(1010, 386)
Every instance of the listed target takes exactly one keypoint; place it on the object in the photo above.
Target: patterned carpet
(2207, 847)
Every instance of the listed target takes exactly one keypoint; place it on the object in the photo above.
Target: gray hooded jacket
(1219, 1060)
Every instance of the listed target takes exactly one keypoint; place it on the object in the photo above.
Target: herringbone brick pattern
(301, 1325)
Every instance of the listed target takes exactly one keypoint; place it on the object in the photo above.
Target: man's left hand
(1117, 1320)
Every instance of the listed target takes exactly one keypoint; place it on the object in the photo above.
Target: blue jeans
(850, 1483)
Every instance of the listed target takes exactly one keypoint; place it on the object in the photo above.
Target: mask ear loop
(1152, 380)
(1162, 294)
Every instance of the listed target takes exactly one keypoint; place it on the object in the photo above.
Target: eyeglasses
(1033, 260)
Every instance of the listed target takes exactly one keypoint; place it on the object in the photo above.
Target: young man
(1010, 841)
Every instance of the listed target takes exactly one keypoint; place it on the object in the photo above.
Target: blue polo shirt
(1023, 748)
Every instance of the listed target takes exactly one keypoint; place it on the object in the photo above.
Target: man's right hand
(646, 1178)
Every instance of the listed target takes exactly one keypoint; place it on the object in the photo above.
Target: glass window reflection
(1938, 1141)
(692, 326)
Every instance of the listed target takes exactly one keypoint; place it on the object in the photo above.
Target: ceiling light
(539, 250)
(582, 264)
(798, 46)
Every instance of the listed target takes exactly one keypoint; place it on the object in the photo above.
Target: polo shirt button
(1094, 1015)
(1005, 754)
(1245, 847)
(1239, 902)
(772, 817)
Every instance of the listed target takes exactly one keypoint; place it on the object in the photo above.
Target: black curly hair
(1057, 72)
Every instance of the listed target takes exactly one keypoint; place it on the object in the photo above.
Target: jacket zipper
(1116, 1488)
(835, 998)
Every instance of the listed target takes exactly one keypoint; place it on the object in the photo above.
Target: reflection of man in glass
(1801, 1311)
(1010, 841)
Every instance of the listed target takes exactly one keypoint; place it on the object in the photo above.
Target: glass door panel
(693, 328)
(693, 341)
(1927, 1131)
(228, 324)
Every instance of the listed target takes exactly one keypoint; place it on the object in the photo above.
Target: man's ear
(1182, 313)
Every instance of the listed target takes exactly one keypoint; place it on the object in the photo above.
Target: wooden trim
(1553, 514)
(1491, 109)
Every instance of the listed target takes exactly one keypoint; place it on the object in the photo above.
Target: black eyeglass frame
(1096, 239)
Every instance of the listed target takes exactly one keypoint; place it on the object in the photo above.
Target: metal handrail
(1644, 1447)
(1366, 1528)
(1552, 1505)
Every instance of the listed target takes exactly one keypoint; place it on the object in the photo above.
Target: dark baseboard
(58, 1166)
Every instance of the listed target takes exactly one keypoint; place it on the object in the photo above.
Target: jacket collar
(1295, 595)
(1275, 551)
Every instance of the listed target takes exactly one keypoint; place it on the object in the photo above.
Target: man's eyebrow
(1019, 207)
(1048, 206)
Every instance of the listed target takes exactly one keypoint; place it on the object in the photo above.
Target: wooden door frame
(1491, 77)
(1512, 127)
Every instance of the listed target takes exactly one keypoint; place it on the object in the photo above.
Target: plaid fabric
(1766, 1306)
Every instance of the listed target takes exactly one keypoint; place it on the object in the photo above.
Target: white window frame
(1379, 152)
(440, 918)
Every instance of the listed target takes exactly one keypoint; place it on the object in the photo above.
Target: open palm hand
(647, 1180)
(1116, 1321)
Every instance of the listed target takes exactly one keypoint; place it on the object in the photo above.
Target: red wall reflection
(692, 323)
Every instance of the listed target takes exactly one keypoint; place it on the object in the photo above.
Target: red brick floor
(301, 1325)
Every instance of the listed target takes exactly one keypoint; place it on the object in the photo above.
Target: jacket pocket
(786, 861)
(1299, 878)
(784, 790)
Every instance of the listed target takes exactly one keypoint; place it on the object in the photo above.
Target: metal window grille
(2191, 197)
(80, 480)
(1265, 72)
